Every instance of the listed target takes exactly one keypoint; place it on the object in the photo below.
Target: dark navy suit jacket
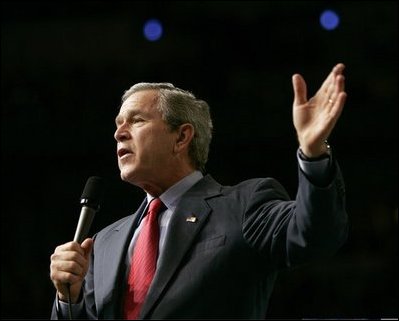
(223, 263)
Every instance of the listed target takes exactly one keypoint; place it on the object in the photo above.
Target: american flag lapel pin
(191, 219)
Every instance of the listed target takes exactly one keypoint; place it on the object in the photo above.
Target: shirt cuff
(63, 309)
(317, 171)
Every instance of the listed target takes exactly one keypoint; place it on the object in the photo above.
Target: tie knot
(155, 207)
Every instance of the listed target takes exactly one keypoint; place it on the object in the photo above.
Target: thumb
(87, 246)
(300, 90)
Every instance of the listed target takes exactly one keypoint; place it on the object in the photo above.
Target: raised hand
(314, 119)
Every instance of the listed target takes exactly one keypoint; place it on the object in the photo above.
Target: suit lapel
(188, 219)
(110, 260)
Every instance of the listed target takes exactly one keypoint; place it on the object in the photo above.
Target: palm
(314, 119)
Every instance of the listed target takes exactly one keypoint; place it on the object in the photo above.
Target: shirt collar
(172, 195)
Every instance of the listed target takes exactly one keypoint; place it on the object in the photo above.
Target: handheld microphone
(90, 201)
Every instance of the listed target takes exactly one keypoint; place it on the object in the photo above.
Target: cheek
(156, 150)
(160, 139)
(166, 143)
(154, 143)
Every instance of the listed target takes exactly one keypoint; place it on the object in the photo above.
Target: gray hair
(178, 107)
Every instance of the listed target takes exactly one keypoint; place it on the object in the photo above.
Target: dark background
(65, 65)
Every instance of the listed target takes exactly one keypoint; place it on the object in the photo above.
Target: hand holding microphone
(70, 261)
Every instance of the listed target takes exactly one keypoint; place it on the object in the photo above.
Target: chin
(128, 176)
(125, 177)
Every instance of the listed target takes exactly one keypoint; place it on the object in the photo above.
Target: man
(219, 247)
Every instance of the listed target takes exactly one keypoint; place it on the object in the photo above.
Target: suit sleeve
(60, 310)
(89, 310)
(291, 232)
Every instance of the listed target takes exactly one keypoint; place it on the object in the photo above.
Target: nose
(121, 133)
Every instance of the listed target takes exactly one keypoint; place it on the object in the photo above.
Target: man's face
(144, 141)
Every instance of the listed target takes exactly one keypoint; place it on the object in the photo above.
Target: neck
(156, 188)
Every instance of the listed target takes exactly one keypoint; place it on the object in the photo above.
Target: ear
(185, 134)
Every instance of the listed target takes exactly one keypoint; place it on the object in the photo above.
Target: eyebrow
(128, 114)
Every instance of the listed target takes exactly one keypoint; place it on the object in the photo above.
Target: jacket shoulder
(258, 185)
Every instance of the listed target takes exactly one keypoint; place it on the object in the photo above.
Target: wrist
(323, 153)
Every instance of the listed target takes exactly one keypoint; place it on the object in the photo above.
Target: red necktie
(143, 263)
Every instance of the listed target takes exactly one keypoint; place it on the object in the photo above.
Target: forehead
(144, 100)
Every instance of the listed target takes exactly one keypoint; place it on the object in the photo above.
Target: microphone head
(93, 192)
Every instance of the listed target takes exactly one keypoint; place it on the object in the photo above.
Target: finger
(338, 88)
(72, 262)
(338, 106)
(338, 69)
(336, 111)
(300, 90)
(70, 246)
(330, 80)
(87, 246)
(69, 255)
(63, 277)
(71, 267)
(340, 83)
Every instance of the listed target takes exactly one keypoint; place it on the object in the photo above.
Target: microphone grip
(85, 220)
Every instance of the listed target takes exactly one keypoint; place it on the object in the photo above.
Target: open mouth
(123, 152)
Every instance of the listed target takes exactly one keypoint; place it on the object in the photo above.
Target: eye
(136, 120)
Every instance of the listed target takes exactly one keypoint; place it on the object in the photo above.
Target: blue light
(329, 20)
(152, 30)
